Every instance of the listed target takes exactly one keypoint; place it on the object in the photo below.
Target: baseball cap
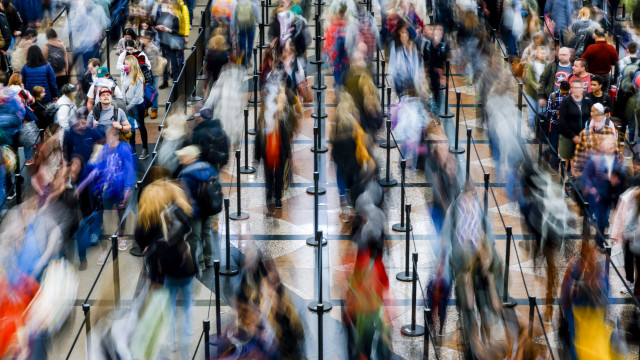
(204, 113)
(191, 151)
(105, 90)
(599, 108)
(68, 89)
(296, 9)
(102, 71)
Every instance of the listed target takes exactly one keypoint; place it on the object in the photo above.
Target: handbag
(29, 134)
(150, 94)
(161, 63)
(175, 42)
(518, 67)
(304, 91)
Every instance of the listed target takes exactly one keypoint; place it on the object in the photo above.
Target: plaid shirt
(553, 105)
(590, 140)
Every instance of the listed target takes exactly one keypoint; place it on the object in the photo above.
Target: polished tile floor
(282, 238)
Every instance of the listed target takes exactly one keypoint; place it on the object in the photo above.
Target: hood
(64, 100)
(199, 170)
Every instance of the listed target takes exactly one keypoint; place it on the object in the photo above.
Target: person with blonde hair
(133, 90)
(161, 232)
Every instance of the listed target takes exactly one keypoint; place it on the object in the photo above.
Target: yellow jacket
(185, 21)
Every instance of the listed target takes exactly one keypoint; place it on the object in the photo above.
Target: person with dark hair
(553, 105)
(597, 94)
(574, 112)
(601, 56)
(131, 48)
(38, 72)
(13, 17)
(129, 34)
(55, 52)
(405, 63)
(580, 72)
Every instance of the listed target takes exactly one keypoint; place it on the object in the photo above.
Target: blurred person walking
(55, 52)
(172, 19)
(158, 64)
(38, 72)
(405, 64)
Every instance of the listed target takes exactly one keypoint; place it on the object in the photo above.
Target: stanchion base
(402, 276)
(459, 150)
(194, 99)
(321, 116)
(321, 149)
(135, 251)
(312, 190)
(239, 216)
(384, 144)
(312, 241)
(232, 270)
(251, 101)
(313, 306)
(509, 304)
(252, 132)
(390, 183)
(446, 115)
(247, 170)
(417, 330)
(321, 87)
(401, 228)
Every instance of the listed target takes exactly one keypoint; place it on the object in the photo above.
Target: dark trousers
(274, 179)
(172, 57)
(631, 263)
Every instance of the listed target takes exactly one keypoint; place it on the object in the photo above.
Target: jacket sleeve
(563, 126)
(544, 80)
(120, 62)
(185, 18)
(51, 78)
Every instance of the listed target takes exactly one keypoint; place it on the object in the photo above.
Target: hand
(576, 139)
(127, 195)
(542, 102)
(117, 125)
(76, 193)
(186, 39)
(96, 123)
(615, 180)
(17, 33)
(55, 99)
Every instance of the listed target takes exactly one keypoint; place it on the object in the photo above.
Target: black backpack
(56, 58)
(210, 197)
(50, 114)
(146, 71)
(215, 149)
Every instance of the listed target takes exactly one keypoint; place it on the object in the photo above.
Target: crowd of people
(72, 122)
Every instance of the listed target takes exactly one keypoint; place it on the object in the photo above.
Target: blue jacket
(595, 175)
(192, 176)
(40, 76)
(560, 12)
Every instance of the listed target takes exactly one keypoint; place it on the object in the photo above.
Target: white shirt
(104, 82)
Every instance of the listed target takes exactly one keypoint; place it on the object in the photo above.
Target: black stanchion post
(540, 137)
(320, 311)
(427, 331)
(326, 305)
(586, 231)
(312, 189)
(206, 327)
(486, 192)
(382, 86)
(108, 40)
(318, 116)
(239, 215)
(384, 114)
(216, 269)
(506, 302)
(400, 226)
(312, 240)
(116, 269)
(388, 181)
(457, 149)
(388, 142)
(378, 68)
(413, 329)
(18, 185)
(86, 309)
(388, 102)
(607, 250)
(255, 108)
(445, 112)
(246, 169)
(532, 309)
(563, 164)
(468, 154)
(406, 275)
(261, 28)
(520, 106)
(135, 249)
(228, 269)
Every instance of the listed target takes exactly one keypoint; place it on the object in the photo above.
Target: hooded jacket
(573, 118)
(192, 176)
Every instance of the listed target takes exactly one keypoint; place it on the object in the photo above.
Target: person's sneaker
(144, 155)
(29, 162)
(631, 287)
(164, 85)
(122, 245)
(11, 195)
(102, 258)
(154, 113)
(278, 204)
(146, 112)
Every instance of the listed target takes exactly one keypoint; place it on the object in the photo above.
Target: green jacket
(547, 80)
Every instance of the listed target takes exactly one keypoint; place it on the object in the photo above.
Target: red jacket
(600, 57)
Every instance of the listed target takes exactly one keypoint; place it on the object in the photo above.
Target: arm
(45, 52)
(124, 123)
(138, 94)
(544, 79)
(120, 62)
(51, 76)
(92, 175)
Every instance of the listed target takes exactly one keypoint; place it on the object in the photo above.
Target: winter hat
(68, 89)
(599, 108)
(191, 151)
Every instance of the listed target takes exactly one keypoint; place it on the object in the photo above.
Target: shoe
(122, 244)
(83, 265)
(102, 258)
(144, 154)
(146, 112)
(164, 85)
(278, 204)
(29, 162)
(209, 264)
(154, 113)
(11, 195)
(631, 287)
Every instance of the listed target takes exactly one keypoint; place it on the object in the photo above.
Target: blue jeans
(532, 112)
(245, 42)
(342, 182)
(186, 285)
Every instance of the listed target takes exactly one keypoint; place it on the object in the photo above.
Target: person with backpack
(199, 180)
(66, 108)
(583, 29)
(55, 52)
(553, 105)
(246, 14)
(628, 67)
(106, 115)
(211, 138)
(158, 63)
(132, 49)
(103, 80)
(38, 72)
(334, 44)
(632, 57)
(600, 57)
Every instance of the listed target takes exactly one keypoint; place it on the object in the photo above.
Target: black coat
(573, 118)
(213, 142)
